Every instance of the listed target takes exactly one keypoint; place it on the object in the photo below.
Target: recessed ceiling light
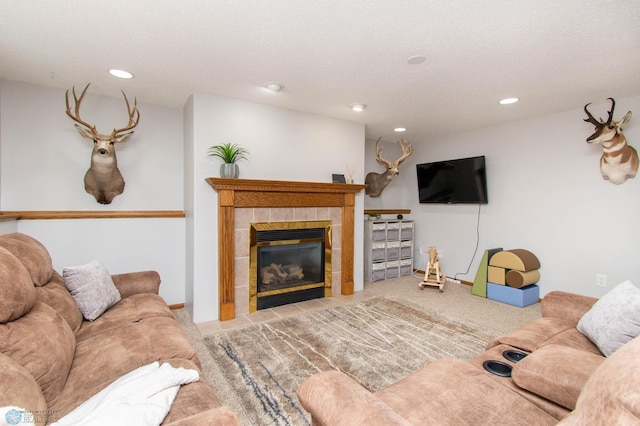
(400, 129)
(358, 107)
(120, 73)
(417, 59)
(508, 101)
(274, 87)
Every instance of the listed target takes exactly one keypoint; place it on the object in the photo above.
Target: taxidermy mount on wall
(103, 179)
(619, 161)
(376, 182)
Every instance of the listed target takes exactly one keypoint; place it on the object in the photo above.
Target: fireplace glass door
(289, 262)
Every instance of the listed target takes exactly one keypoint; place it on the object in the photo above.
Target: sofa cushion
(557, 373)
(573, 339)
(33, 255)
(614, 319)
(454, 392)
(611, 395)
(17, 293)
(19, 389)
(104, 357)
(143, 396)
(130, 310)
(42, 342)
(91, 287)
(55, 294)
(534, 334)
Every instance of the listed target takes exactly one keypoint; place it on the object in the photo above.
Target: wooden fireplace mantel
(235, 193)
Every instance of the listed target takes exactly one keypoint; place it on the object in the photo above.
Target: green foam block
(480, 283)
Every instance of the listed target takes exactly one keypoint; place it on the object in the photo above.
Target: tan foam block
(518, 259)
(519, 279)
(496, 275)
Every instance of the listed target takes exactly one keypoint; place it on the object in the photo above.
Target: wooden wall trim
(91, 214)
(388, 211)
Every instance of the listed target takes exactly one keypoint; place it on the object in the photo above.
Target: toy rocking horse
(433, 276)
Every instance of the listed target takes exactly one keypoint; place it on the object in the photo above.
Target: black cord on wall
(476, 249)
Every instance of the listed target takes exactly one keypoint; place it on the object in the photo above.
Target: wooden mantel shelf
(282, 186)
(235, 193)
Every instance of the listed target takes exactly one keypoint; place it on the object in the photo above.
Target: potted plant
(229, 153)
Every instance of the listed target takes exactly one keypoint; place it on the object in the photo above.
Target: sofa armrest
(569, 306)
(333, 398)
(556, 372)
(215, 416)
(137, 282)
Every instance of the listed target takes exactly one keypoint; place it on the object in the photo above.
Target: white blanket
(141, 397)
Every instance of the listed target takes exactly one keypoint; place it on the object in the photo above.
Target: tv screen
(461, 181)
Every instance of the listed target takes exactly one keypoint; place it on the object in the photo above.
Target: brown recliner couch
(52, 360)
(563, 379)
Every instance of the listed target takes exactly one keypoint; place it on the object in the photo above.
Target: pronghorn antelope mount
(376, 182)
(619, 161)
(103, 179)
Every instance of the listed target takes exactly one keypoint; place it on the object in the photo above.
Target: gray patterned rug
(376, 341)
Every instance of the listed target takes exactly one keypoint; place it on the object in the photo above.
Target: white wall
(546, 195)
(284, 145)
(42, 165)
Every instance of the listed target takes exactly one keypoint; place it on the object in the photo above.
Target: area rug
(375, 341)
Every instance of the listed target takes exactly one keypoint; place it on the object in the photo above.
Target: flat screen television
(461, 181)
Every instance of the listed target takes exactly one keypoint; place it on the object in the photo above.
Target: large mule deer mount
(377, 182)
(103, 179)
(619, 161)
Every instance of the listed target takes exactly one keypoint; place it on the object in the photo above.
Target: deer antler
(591, 119)
(133, 122)
(613, 106)
(76, 117)
(601, 122)
(379, 159)
(407, 150)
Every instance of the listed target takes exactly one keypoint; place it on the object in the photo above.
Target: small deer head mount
(376, 182)
(619, 161)
(103, 179)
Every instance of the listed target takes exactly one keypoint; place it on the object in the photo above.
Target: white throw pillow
(614, 319)
(91, 287)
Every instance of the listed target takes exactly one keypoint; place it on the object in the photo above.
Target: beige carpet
(259, 385)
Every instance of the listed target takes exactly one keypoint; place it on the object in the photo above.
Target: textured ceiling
(554, 55)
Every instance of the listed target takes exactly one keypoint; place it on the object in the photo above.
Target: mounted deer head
(103, 179)
(619, 161)
(376, 182)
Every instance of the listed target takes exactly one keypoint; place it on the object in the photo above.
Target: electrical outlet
(439, 254)
(420, 250)
(601, 280)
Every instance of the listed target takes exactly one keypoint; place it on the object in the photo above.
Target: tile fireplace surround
(241, 201)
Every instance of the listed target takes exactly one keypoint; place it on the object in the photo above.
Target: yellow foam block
(518, 259)
(519, 279)
(496, 275)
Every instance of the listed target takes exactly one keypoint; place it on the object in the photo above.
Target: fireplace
(288, 262)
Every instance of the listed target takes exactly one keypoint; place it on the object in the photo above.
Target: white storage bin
(393, 269)
(406, 231)
(406, 249)
(378, 271)
(377, 251)
(378, 231)
(405, 267)
(393, 231)
(393, 250)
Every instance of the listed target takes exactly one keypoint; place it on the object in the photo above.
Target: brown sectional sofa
(563, 379)
(52, 360)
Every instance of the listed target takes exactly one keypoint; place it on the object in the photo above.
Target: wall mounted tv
(461, 181)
